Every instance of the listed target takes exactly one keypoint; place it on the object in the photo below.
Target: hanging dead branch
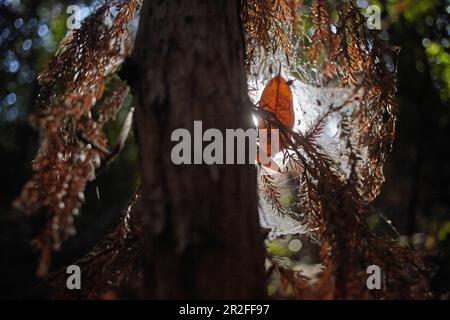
(72, 141)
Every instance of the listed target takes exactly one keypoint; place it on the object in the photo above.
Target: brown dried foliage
(265, 23)
(72, 141)
(112, 269)
(322, 34)
(334, 206)
(290, 279)
(337, 206)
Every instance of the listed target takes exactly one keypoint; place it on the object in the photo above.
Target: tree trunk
(201, 231)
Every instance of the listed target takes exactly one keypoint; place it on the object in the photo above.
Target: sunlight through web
(312, 102)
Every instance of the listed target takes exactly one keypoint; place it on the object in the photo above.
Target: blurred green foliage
(430, 19)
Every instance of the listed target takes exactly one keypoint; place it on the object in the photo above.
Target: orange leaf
(276, 98)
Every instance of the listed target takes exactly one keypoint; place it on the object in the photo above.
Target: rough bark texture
(202, 237)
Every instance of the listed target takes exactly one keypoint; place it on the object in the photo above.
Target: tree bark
(201, 230)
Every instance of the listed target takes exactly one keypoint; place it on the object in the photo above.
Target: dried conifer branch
(289, 278)
(264, 24)
(271, 193)
(72, 141)
(322, 35)
(111, 269)
(334, 205)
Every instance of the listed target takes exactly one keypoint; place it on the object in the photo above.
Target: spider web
(313, 102)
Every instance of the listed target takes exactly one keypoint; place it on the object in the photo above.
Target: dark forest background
(415, 196)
